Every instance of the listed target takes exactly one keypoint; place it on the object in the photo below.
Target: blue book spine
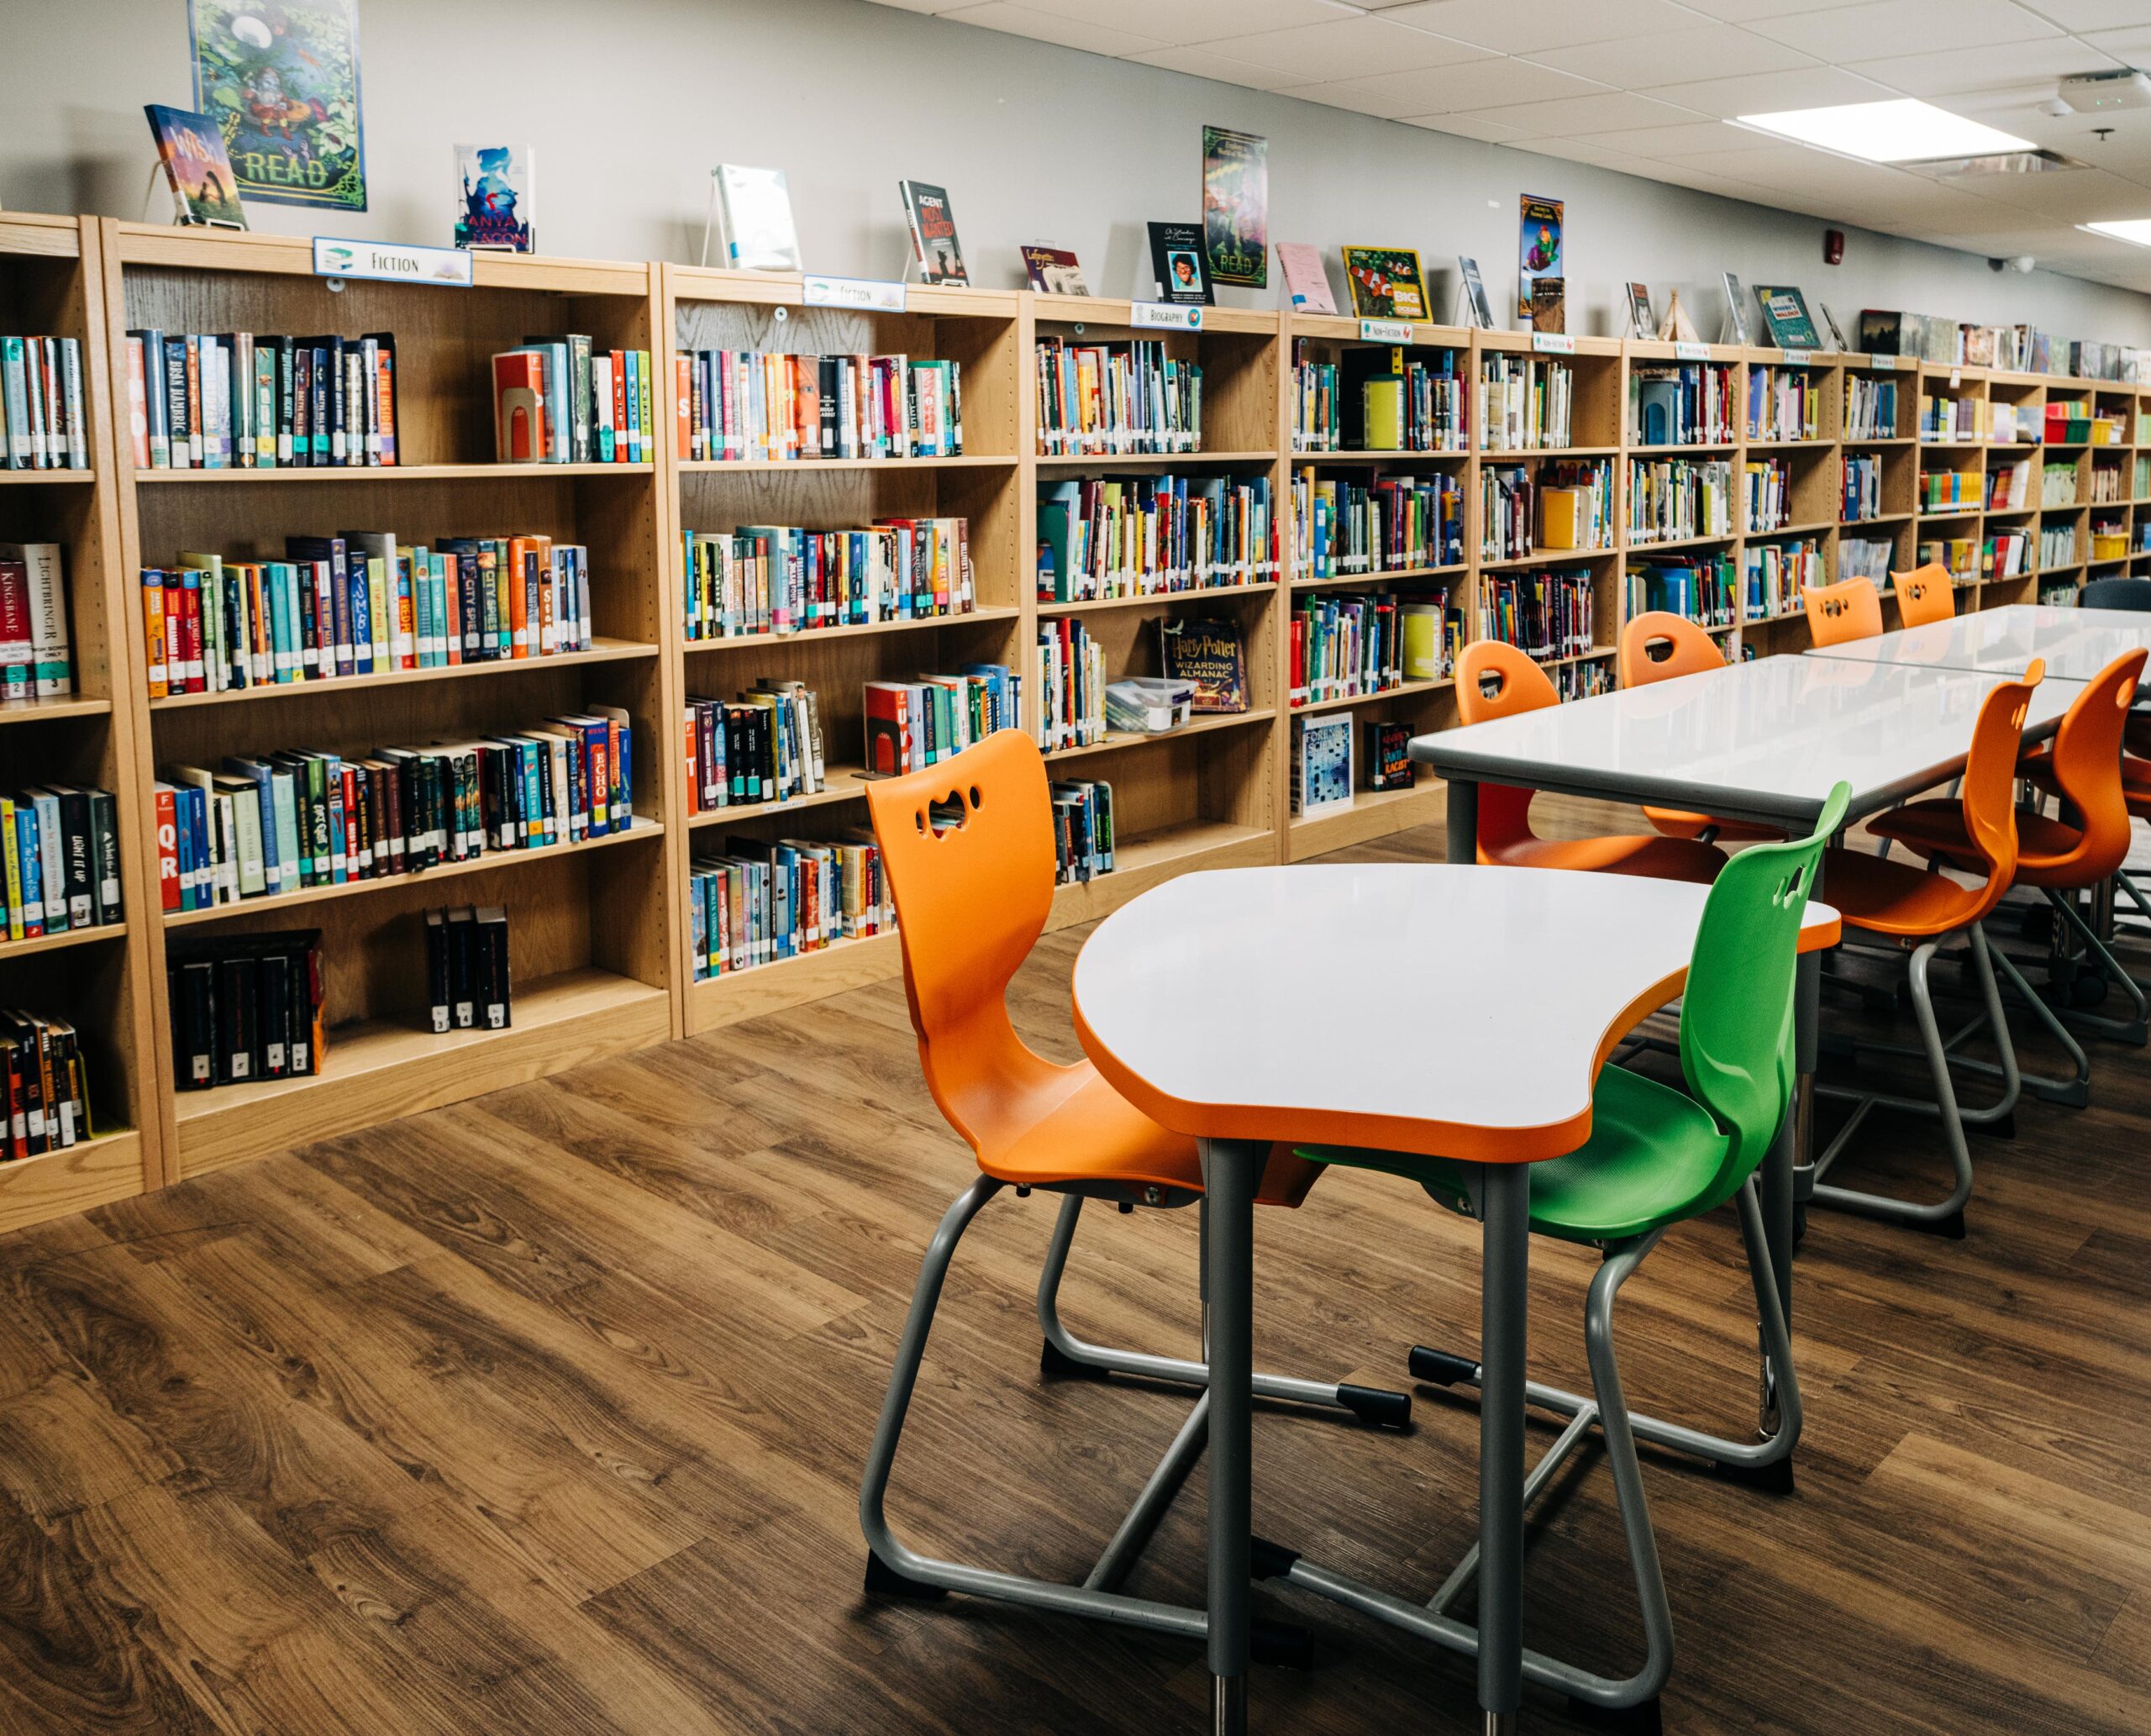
(361, 606)
(341, 866)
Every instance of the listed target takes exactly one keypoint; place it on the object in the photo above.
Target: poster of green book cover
(283, 83)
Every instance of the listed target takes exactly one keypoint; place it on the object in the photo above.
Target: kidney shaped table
(1481, 1003)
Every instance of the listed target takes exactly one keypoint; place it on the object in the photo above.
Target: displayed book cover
(281, 83)
(1322, 765)
(1235, 206)
(755, 207)
(933, 241)
(1784, 316)
(1052, 270)
(1176, 262)
(497, 197)
(1540, 252)
(1299, 263)
(1735, 310)
(1389, 764)
(1386, 282)
(1640, 317)
(1209, 653)
(1475, 292)
(197, 165)
(1837, 332)
(1549, 304)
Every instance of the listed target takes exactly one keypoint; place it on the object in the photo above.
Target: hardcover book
(1736, 313)
(1322, 765)
(1177, 261)
(497, 206)
(1549, 304)
(1389, 764)
(1474, 291)
(1386, 282)
(1640, 316)
(1300, 265)
(1235, 206)
(755, 207)
(933, 241)
(1052, 270)
(197, 165)
(1209, 654)
(1784, 316)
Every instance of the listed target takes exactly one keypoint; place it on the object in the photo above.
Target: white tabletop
(2077, 644)
(1766, 739)
(1461, 1011)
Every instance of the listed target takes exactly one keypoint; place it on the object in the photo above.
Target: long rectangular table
(2075, 644)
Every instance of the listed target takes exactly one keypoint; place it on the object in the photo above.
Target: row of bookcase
(602, 931)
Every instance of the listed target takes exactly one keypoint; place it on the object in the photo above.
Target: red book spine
(683, 390)
(620, 406)
(167, 851)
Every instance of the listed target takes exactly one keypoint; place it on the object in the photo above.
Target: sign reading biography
(1165, 317)
(281, 82)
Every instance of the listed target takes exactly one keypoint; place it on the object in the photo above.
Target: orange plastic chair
(1910, 906)
(1924, 594)
(1688, 650)
(1849, 609)
(972, 894)
(1496, 680)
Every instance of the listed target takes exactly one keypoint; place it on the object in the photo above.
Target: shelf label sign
(862, 295)
(449, 266)
(1796, 358)
(1692, 352)
(1554, 343)
(1889, 362)
(1165, 317)
(1385, 331)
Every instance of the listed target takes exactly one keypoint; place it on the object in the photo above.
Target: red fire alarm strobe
(1833, 247)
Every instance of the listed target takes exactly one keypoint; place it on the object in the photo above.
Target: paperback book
(44, 1096)
(196, 167)
(934, 245)
(1386, 282)
(42, 427)
(1209, 653)
(1786, 317)
(1307, 284)
(754, 206)
(251, 401)
(497, 203)
(1322, 765)
(59, 860)
(1177, 263)
(1052, 270)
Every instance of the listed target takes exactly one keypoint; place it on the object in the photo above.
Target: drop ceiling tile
(1741, 12)
(1516, 27)
(1349, 48)
(1701, 52)
(1952, 71)
(1185, 21)
(1564, 117)
(1479, 85)
(1346, 93)
(1048, 27)
(2129, 44)
(1715, 137)
(2093, 14)
(2077, 196)
(1575, 151)
(1707, 180)
(1465, 126)
(1770, 93)
(1903, 26)
(1206, 63)
(920, 5)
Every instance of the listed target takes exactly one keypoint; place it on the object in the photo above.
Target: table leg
(1230, 1170)
(1462, 821)
(1505, 1235)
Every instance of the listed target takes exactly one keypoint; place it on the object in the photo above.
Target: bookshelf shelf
(1654, 545)
(810, 466)
(33, 479)
(400, 473)
(1517, 455)
(62, 942)
(44, 711)
(1159, 599)
(987, 614)
(1130, 738)
(1152, 857)
(841, 783)
(1150, 460)
(1818, 527)
(1383, 455)
(1552, 557)
(1345, 702)
(645, 829)
(1677, 447)
(1386, 575)
(1373, 814)
(602, 651)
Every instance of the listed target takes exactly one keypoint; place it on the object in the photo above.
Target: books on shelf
(758, 901)
(1960, 555)
(763, 406)
(1082, 830)
(41, 405)
(249, 401)
(1575, 505)
(2057, 484)
(1524, 402)
(1769, 495)
(1388, 759)
(1545, 615)
(2009, 486)
(2006, 553)
(1581, 680)
(37, 658)
(278, 822)
(2109, 487)
(1860, 491)
(2057, 546)
(45, 1094)
(1507, 513)
(764, 746)
(1350, 526)
(1317, 406)
(1431, 631)
(1700, 589)
(1345, 647)
(1860, 557)
(246, 1007)
(1209, 652)
(1870, 406)
(1773, 574)
(1681, 403)
(1114, 398)
(762, 579)
(1942, 418)
(59, 861)
(2012, 425)
(1321, 765)
(1075, 706)
(361, 603)
(1148, 704)
(1107, 536)
(911, 725)
(1956, 488)
(558, 400)
(468, 985)
(1783, 403)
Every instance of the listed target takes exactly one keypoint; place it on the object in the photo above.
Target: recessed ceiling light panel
(1905, 130)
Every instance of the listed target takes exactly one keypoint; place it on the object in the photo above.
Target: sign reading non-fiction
(1386, 331)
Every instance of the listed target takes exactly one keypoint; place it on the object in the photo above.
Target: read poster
(283, 83)
(1539, 253)
(1235, 206)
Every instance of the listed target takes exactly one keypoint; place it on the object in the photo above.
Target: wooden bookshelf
(592, 933)
(52, 284)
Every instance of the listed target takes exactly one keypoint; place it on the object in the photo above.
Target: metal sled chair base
(893, 1568)
(1632, 1701)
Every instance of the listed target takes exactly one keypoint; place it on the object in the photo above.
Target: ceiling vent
(2005, 162)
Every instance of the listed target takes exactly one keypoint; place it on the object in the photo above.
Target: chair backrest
(1990, 787)
(1924, 594)
(1494, 680)
(1850, 609)
(1686, 648)
(1736, 1011)
(2115, 594)
(971, 901)
(2087, 765)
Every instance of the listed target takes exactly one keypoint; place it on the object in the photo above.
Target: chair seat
(2036, 767)
(1654, 857)
(1677, 823)
(1093, 1134)
(1886, 897)
(1653, 1154)
(1935, 829)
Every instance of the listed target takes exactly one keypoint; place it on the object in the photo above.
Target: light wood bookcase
(600, 934)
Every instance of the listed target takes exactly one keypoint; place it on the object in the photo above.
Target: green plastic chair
(1657, 1156)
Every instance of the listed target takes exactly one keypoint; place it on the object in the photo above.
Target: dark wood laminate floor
(544, 1413)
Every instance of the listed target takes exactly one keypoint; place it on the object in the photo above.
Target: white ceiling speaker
(2105, 92)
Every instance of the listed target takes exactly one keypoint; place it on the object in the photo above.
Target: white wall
(630, 103)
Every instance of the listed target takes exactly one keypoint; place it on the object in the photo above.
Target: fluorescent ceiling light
(2127, 229)
(1903, 131)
